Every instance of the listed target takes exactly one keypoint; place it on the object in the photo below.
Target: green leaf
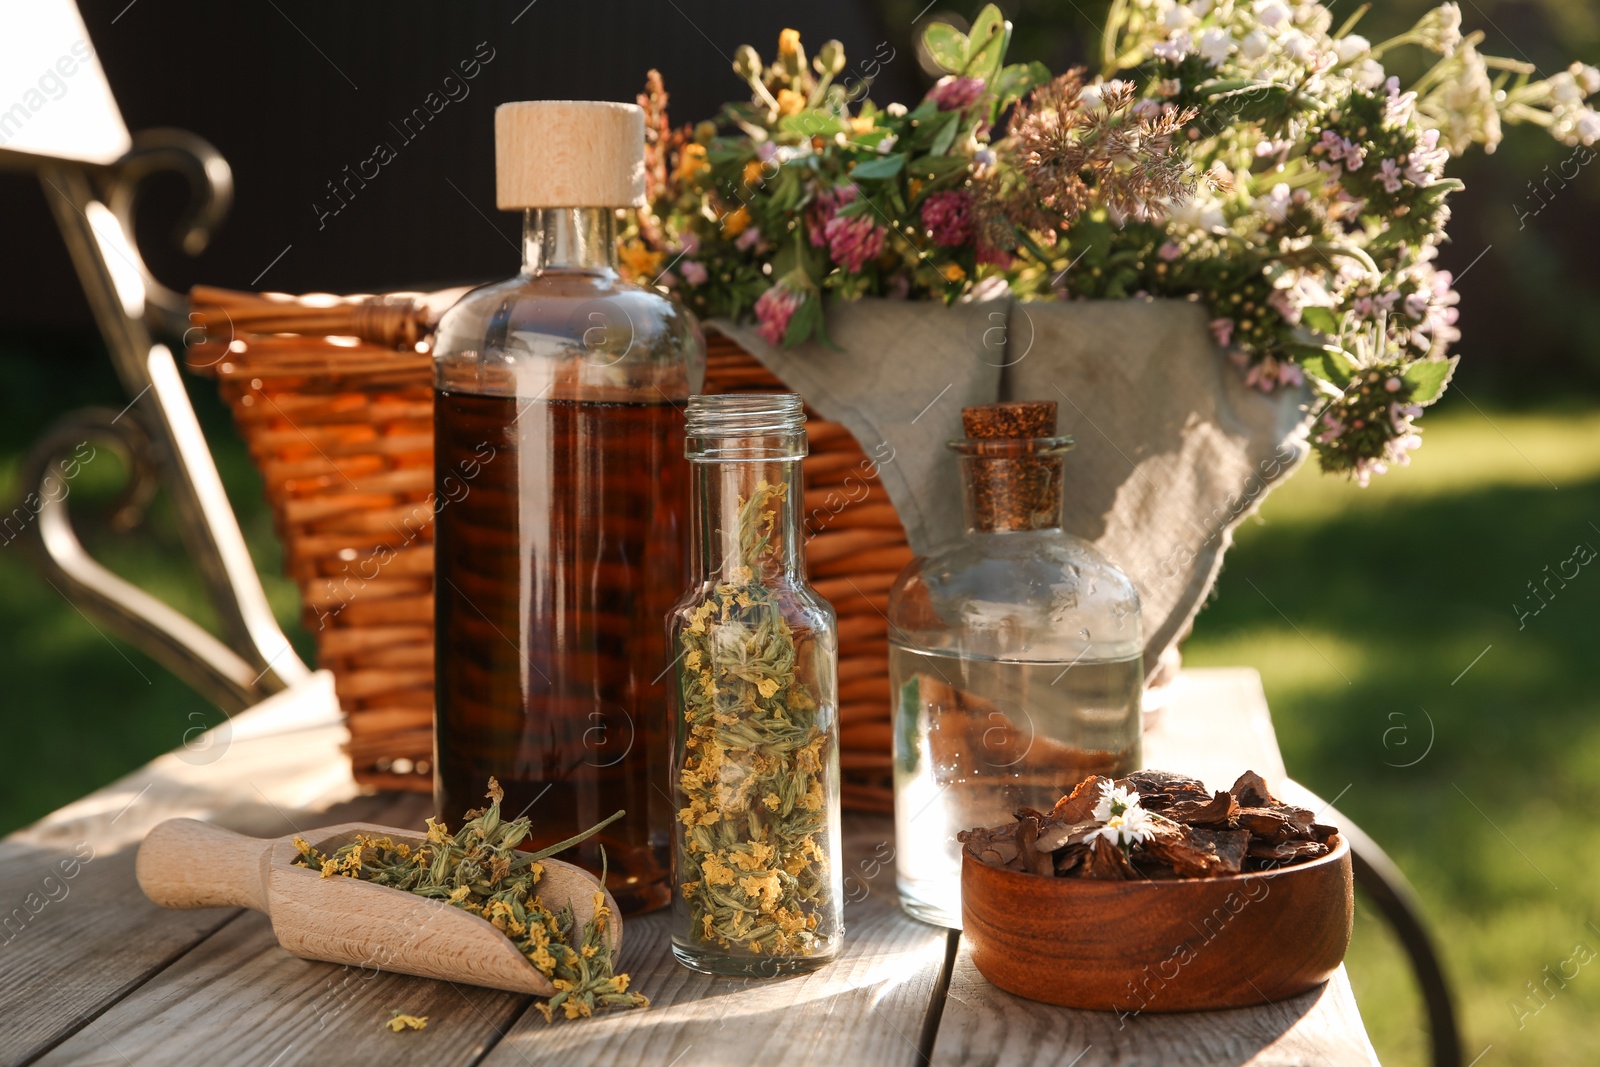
(1016, 81)
(813, 123)
(1428, 377)
(929, 131)
(877, 169)
(986, 45)
(1321, 319)
(806, 320)
(1312, 363)
(1338, 364)
(859, 206)
(1253, 102)
(947, 136)
(946, 45)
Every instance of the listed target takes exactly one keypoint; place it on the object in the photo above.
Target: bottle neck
(747, 521)
(1011, 494)
(569, 238)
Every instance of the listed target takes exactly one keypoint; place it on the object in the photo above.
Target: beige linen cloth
(1173, 449)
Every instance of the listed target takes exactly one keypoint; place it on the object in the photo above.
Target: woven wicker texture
(333, 397)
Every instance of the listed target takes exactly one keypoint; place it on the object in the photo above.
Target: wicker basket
(333, 396)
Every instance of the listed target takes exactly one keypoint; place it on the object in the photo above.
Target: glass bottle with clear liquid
(561, 509)
(1015, 658)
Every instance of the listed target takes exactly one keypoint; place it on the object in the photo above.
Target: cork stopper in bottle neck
(568, 154)
(1012, 465)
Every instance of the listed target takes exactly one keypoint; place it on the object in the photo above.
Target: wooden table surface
(93, 973)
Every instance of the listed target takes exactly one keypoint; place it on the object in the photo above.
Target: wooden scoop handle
(185, 863)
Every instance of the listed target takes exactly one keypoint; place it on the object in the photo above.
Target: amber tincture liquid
(561, 545)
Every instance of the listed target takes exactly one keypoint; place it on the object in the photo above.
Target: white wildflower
(1275, 205)
(1114, 800)
(1271, 13)
(1587, 126)
(1588, 78)
(1254, 45)
(1126, 823)
(1352, 47)
(1296, 45)
(1370, 74)
(1440, 29)
(1564, 88)
(1199, 212)
(1127, 829)
(1466, 105)
(1214, 45)
(1180, 17)
(1173, 49)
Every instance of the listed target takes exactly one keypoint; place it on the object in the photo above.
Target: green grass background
(1361, 608)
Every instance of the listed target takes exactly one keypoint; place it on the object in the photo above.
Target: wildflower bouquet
(1243, 153)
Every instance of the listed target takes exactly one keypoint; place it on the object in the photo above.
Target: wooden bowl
(1171, 945)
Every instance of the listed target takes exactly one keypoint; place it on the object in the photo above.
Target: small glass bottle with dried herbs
(756, 751)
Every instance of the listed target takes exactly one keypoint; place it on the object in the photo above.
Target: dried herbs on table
(1154, 825)
(478, 869)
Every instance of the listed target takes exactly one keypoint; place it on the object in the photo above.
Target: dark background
(291, 92)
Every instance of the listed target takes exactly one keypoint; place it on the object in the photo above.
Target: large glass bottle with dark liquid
(561, 497)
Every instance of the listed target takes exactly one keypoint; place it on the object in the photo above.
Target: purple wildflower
(854, 241)
(694, 272)
(956, 94)
(823, 209)
(1389, 175)
(774, 310)
(947, 215)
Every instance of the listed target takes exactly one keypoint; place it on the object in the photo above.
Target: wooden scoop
(185, 863)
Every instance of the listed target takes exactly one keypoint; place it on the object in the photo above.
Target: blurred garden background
(1409, 675)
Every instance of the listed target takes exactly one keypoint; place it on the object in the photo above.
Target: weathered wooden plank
(76, 945)
(238, 998)
(982, 1025)
(866, 1007)
(1214, 726)
(97, 975)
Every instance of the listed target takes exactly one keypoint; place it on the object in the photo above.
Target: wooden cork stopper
(1009, 421)
(568, 153)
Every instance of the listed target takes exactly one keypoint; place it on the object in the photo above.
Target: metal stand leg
(1377, 874)
(158, 432)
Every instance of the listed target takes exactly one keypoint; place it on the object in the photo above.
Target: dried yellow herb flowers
(478, 869)
(753, 863)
